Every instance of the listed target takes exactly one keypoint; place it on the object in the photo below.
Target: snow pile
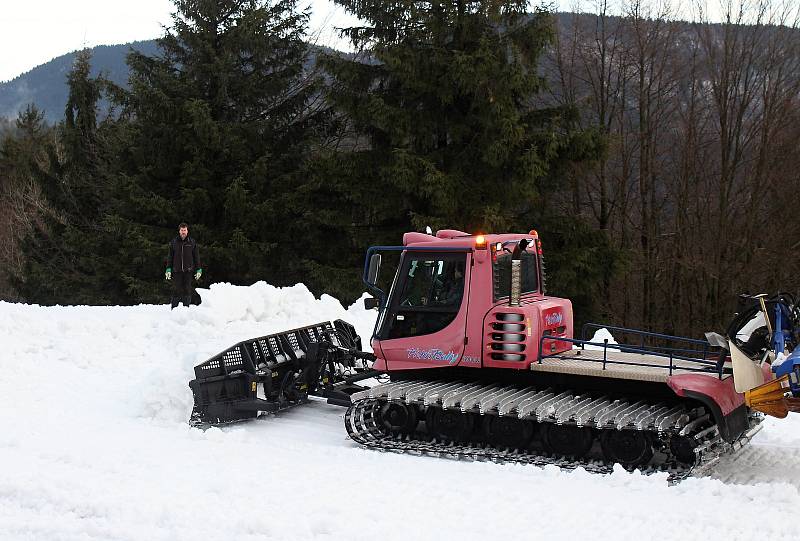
(599, 337)
(139, 358)
(94, 445)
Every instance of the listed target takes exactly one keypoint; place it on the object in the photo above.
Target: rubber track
(363, 428)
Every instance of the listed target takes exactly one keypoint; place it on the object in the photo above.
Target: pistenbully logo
(433, 354)
(554, 318)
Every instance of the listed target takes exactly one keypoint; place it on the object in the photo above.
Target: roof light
(480, 241)
(533, 232)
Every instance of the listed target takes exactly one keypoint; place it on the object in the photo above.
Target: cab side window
(430, 295)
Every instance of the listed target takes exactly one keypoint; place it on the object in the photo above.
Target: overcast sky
(33, 32)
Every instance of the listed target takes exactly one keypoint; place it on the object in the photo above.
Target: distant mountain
(46, 85)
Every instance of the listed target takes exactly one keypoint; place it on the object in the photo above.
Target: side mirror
(370, 303)
(374, 267)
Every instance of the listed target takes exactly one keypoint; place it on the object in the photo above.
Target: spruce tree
(23, 149)
(67, 251)
(221, 122)
(445, 128)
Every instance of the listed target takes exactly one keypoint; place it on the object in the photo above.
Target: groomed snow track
(682, 442)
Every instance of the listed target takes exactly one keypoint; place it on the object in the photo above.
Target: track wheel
(508, 431)
(451, 425)
(628, 447)
(567, 440)
(682, 448)
(398, 418)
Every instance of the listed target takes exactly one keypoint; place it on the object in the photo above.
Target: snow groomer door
(426, 321)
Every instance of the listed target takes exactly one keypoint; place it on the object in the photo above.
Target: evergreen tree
(65, 253)
(23, 150)
(6, 127)
(220, 125)
(446, 130)
(22, 146)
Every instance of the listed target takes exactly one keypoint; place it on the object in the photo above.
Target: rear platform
(640, 356)
(617, 364)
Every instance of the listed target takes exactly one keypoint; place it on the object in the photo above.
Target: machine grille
(507, 337)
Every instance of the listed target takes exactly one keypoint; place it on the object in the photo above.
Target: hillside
(46, 85)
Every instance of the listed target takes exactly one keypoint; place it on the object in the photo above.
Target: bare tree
(701, 122)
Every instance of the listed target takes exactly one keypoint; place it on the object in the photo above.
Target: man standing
(183, 261)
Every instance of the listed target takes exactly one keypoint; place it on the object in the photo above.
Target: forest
(656, 154)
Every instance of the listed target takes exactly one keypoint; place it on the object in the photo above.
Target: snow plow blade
(771, 398)
(278, 371)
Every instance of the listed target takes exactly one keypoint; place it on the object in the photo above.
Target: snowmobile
(482, 364)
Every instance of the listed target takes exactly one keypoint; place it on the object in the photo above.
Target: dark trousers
(182, 288)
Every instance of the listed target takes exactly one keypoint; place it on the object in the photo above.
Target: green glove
(168, 274)
(198, 273)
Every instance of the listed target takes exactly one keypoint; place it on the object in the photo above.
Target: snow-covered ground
(94, 445)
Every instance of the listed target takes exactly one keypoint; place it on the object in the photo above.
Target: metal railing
(670, 354)
(700, 346)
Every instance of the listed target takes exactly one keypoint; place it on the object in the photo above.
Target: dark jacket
(183, 255)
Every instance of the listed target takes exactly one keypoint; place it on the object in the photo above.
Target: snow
(599, 337)
(94, 445)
